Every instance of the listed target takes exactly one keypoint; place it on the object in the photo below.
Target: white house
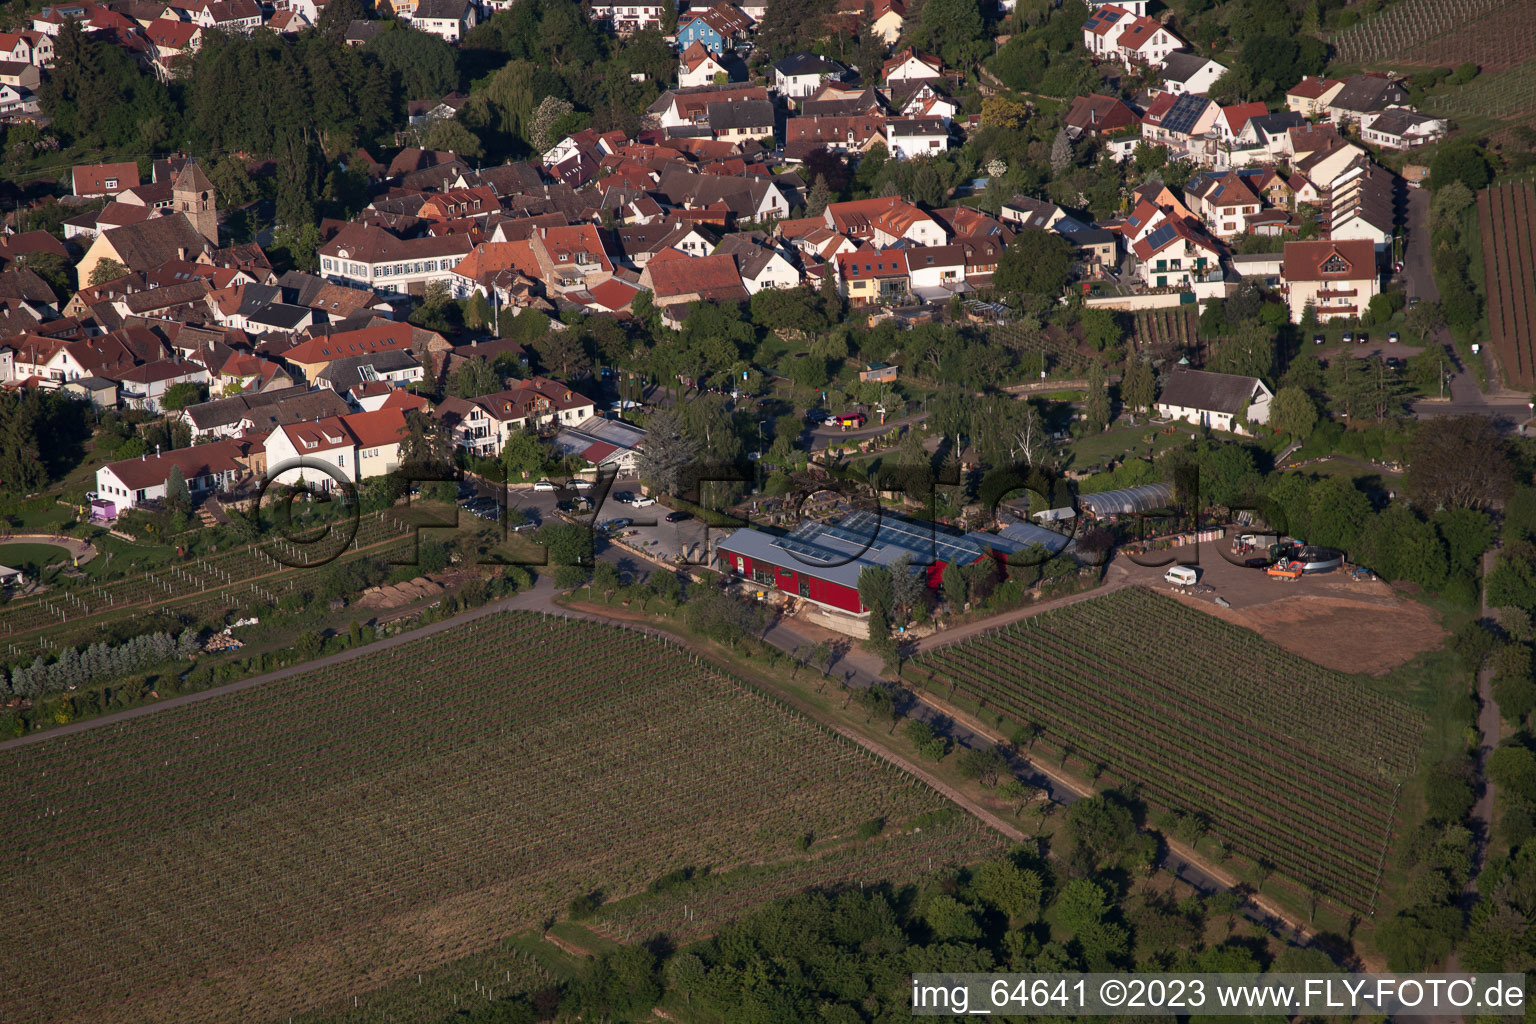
(800, 74)
(205, 467)
(627, 18)
(1184, 72)
(450, 20)
(1402, 128)
(936, 272)
(1337, 278)
(1174, 255)
(322, 454)
(760, 265)
(365, 256)
(911, 66)
(698, 66)
(1221, 401)
(908, 137)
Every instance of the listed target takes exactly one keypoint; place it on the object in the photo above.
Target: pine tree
(1138, 387)
(1097, 406)
(818, 198)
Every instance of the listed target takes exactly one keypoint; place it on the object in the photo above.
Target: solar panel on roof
(1162, 236)
(1186, 110)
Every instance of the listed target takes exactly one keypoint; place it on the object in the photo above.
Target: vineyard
(1497, 41)
(1507, 216)
(1405, 25)
(297, 844)
(1507, 95)
(1293, 765)
(1177, 327)
(197, 586)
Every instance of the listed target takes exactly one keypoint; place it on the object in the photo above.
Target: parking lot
(646, 529)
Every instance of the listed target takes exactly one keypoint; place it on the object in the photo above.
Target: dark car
(677, 517)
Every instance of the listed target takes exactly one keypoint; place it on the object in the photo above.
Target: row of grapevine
(1405, 25)
(1506, 214)
(1293, 764)
(298, 843)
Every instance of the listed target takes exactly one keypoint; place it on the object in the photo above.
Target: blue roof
(839, 552)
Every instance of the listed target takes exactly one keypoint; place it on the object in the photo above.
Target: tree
(908, 584)
(1424, 319)
(1336, 514)
(178, 498)
(106, 270)
(1461, 160)
(1293, 413)
(522, 454)
(1138, 386)
(475, 377)
(420, 63)
(1457, 462)
(668, 451)
(818, 198)
(180, 395)
(1035, 263)
(1100, 329)
(876, 591)
(1061, 152)
(448, 135)
(549, 123)
(1096, 405)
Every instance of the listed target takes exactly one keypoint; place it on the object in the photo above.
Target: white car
(544, 485)
(641, 501)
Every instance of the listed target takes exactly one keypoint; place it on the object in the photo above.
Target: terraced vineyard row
(1508, 220)
(288, 846)
(1178, 326)
(1293, 764)
(1506, 95)
(238, 574)
(1405, 25)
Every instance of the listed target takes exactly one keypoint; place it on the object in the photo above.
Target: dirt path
(1115, 577)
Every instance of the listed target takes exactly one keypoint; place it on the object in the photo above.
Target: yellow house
(143, 246)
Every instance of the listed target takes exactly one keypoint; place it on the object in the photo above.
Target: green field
(20, 553)
(1291, 764)
(296, 845)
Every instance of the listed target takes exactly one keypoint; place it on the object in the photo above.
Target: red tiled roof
(199, 460)
(1303, 261)
(363, 341)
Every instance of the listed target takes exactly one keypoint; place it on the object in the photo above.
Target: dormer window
(111, 183)
(1335, 264)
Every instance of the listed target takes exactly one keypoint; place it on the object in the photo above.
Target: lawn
(20, 555)
(288, 847)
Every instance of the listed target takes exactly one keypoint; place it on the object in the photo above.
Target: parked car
(641, 501)
(1318, 339)
(544, 485)
(1348, 337)
(1393, 337)
(1413, 300)
(624, 497)
(1362, 338)
(679, 516)
(614, 525)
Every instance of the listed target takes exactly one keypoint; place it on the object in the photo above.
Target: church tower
(193, 197)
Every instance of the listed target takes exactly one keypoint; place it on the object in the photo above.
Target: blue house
(716, 28)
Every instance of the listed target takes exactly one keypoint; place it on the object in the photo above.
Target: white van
(1182, 576)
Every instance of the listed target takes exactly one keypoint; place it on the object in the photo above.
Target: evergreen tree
(1096, 405)
(1138, 387)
